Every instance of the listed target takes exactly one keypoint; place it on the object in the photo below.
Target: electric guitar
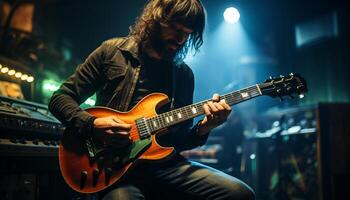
(88, 166)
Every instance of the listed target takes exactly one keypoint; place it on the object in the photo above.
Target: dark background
(263, 43)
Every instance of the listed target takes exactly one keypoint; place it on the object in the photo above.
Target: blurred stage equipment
(29, 137)
(317, 30)
(304, 155)
(18, 15)
(16, 26)
(12, 90)
(223, 149)
(208, 153)
(27, 128)
(16, 79)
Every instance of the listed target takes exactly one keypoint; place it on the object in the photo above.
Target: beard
(167, 49)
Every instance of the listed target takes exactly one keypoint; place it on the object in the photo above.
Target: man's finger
(225, 105)
(216, 97)
(207, 110)
(219, 107)
(125, 127)
(118, 133)
(118, 120)
(212, 107)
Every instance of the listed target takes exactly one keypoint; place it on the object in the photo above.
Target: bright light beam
(231, 15)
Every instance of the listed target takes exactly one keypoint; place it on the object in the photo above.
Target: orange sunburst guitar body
(88, 174)
(89, 166)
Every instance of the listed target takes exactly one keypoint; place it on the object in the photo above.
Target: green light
(90, 102)
(49, 86)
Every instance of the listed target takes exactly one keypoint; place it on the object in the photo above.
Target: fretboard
(176, 116)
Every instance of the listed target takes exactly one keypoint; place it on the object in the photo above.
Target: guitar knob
(95, 175)
(108, 174)
(83, 177)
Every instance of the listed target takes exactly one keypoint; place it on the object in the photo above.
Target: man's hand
(112, 131)
(216, 113)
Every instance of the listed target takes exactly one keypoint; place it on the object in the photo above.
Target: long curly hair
(190, 13)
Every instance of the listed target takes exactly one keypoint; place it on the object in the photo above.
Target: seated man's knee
(240, 190)
(127, 192)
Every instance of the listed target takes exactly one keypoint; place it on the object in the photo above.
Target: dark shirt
(155, 76)
(113, 72)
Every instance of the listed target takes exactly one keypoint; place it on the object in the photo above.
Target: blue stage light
(231, 15)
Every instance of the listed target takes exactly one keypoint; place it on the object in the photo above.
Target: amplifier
(304, 155)
(28, 129)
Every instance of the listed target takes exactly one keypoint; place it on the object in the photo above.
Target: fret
(155, 124)
(179, 115)
(194, 110)
(160, 121)
(258, 88)
(167, 120)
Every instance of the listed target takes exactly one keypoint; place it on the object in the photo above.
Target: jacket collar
(131, 46)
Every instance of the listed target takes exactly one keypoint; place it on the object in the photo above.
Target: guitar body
(88, 174)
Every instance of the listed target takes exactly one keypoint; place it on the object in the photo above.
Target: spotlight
(18, 74)
(4, 70)
(231, 15)
(252, 156)
(12, 72)
(24, 77)
(30, 79)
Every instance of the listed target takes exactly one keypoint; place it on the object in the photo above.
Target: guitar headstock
(284, 86)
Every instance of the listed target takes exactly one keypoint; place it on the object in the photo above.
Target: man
(124, 70)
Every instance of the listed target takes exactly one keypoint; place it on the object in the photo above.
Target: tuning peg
(301, 96)
(281, 76)
(291, 74)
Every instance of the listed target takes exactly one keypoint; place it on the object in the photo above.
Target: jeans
(178, 179)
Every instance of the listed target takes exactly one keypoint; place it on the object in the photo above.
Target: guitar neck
(179, 115)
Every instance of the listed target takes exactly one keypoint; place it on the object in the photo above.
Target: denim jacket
(112, 72)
